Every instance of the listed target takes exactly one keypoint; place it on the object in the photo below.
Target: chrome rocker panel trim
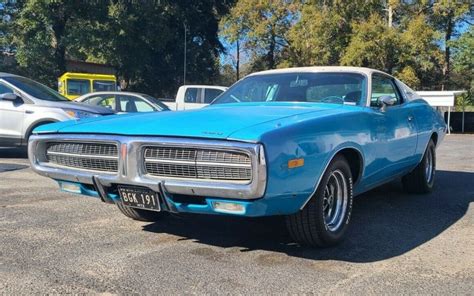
(132, 172)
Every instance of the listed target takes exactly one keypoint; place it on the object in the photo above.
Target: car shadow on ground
(13, 153)
(386, 222)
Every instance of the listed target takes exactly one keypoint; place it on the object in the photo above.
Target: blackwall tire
(421, 179)
(325, 218)
(140, 215)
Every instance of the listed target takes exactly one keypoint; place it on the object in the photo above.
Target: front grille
(89, 156)
(196, 163)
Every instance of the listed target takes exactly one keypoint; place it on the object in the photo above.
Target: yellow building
(72, 85)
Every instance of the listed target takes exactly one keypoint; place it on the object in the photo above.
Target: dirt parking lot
(54, 242)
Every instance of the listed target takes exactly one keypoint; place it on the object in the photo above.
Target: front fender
(315, 143)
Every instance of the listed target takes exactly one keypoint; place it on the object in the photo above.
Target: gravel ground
(53, 242)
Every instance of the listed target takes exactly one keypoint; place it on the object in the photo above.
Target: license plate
(141, 198)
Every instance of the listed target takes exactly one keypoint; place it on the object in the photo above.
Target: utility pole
(184, 66)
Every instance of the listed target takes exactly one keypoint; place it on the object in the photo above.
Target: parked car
(123, 102)
(297, 142)
(26, 104)
(194, 96)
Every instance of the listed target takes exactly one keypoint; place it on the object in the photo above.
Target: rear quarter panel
(428, 122)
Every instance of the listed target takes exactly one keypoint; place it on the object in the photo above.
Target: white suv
(26, 104)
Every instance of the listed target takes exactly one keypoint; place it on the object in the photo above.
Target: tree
(445, 16)
(463, 59)
(262, 26)
(324, 30)
(373, 44)
(41, 35)
(419, 54)
(7, 51)
(315, 39)
(143, 41)
(463, 64)
(146, 43)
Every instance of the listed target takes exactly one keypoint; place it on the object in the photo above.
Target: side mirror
(8, 97)
(385, 101)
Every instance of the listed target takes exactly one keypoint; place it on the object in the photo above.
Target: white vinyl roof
(315, 69)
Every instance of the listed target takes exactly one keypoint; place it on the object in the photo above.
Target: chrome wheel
(429, 166)
(335, 200)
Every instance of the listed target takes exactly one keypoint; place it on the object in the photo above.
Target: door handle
(410, 118)
(29, 111)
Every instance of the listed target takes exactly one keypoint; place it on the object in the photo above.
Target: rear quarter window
(408, 93)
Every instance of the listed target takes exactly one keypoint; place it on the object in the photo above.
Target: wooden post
(449, 120)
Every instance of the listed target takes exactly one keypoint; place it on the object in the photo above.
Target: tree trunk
(271, 53)
(59, 48)
(390, 16)
(447, 52)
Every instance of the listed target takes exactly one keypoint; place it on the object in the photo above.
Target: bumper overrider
(190, 175)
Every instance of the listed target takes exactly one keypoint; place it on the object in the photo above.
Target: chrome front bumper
(131, 170)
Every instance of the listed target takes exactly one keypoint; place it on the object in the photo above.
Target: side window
(104, 101)
(133, 104)
(125, 104)
(191, 95)
(108, 102)
(383, 86)
(210, 94)
(4, 89)
(409, 94)
(143, 106)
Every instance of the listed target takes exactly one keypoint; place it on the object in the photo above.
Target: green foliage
(464, 100)
(143, 41)
(42, 31)
(409, 77)
(464, 53)
(373, 44)
(315, 39)
(263, 25)
(416, 41)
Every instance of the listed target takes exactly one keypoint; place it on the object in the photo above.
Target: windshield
(339, 88)
(157, 102)
(35, 89)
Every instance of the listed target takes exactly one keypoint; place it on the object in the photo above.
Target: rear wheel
(140, 215)
(325, 218)
(421, 179)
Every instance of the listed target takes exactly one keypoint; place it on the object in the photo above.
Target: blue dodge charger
(297, 142)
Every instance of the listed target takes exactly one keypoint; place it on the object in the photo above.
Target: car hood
(216, 122)
(75, 106)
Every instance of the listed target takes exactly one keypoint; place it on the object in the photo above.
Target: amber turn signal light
(294, 163)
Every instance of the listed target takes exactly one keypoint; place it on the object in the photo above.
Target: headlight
(80, 114)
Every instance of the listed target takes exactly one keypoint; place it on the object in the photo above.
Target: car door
(394, 128)
(193, 98)
(12, 115)
(210, 94)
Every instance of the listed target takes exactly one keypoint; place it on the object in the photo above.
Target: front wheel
(421, 179)
(325, 218)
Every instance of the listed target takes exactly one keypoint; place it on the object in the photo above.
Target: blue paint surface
(388, 143)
